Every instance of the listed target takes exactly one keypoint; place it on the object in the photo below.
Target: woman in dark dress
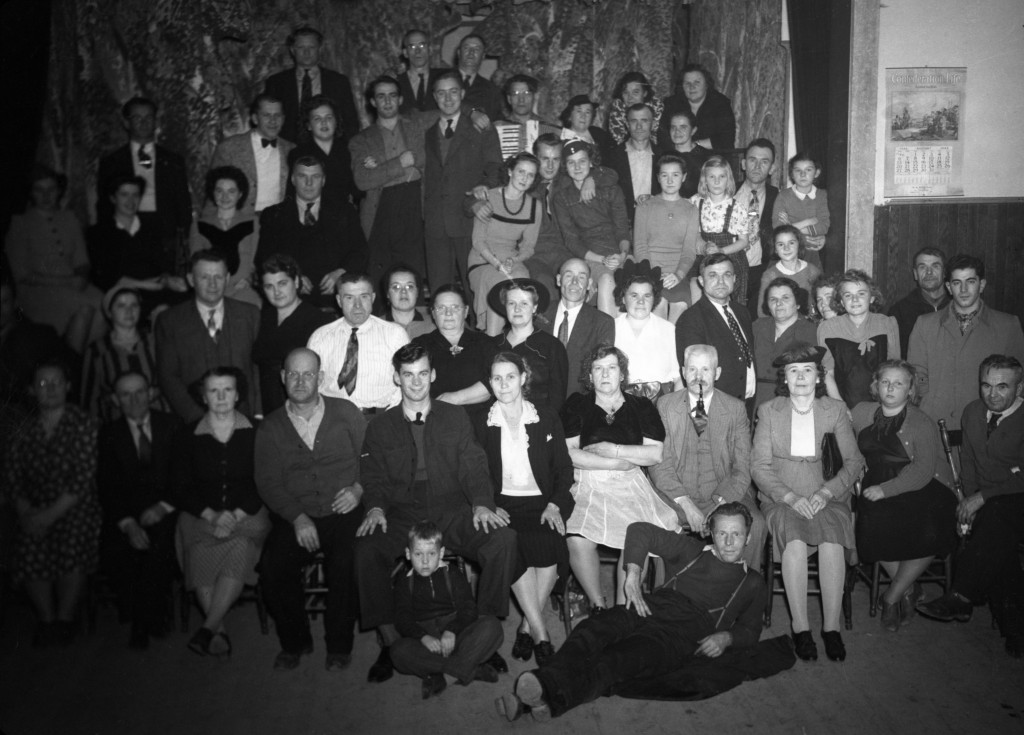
(50, 477)
(230, 230)
(907, 511)
(532, 474)
(323, 139)
(285, 323)
(520, 300)
(460, 356)
(223, 521)
(611, 436)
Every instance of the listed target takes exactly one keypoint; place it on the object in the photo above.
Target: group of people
(584, 374)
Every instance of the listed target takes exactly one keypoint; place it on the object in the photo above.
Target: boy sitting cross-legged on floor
(436, 615)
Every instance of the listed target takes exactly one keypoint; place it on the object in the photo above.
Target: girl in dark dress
(230, 230)
(532, 474)
(907, 512)
(285, 323)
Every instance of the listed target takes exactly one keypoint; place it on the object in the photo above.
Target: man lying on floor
(710, 602)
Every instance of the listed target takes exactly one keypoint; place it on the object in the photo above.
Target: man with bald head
(307, 472)
(706, 456)
(577, 325)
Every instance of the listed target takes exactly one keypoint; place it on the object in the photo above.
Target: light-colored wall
(987, 37)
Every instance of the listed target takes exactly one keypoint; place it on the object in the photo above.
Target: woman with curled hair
(858, 340)
(578, 124)
(223, 521)
(611, 436)
(907, 511)
(647, 339)
(789, 247)
(508, 238)
(804, 511)
(532, 474)
(632, 88)
(230, 228)
(785, 326)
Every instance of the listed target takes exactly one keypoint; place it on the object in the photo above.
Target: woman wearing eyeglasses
(461, 356)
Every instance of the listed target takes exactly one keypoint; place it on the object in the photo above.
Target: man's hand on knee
(634, 593)
(485, 519)
(305, 533)
(374, 518)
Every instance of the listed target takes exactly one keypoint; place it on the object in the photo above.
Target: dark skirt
(537, 544)
(911, 525)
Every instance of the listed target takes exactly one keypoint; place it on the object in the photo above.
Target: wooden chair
(772, 571)
(605, 556)
(251, 593)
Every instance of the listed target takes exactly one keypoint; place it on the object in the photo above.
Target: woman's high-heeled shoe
(806, 648)
(522, 649)
(834, 647)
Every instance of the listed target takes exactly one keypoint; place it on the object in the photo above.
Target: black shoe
(485, 672)
(543, 651)
(497, 663)
(220, 646)
(382, 668)
(908, 605)
(891, 615)
(834, 647)
(806, 649)
(287, 661)
(1015, 646)
(522, 649)
(947, 608)
(139, 640)
(337, 661)
(433, 684)
(199, 643)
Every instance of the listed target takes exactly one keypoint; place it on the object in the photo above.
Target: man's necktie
(465, 81)
(449, 131)
(347, 376)
(211, 325)
(734, 327)
(272, 142)
(145, 159)
(993, 421)
(700, 416)
(755, 218)
(307, 88)
(421, 89)
(419, 418)
(145, 447)
(309, 219)
(563, 328)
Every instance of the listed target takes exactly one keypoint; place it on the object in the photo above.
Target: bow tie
(268, 141)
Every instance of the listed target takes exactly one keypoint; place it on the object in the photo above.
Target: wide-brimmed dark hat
(543, 296)
(800, 352)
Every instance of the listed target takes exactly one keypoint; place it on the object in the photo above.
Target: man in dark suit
(459, 159)
(993, 453)
(757, 195)
(415, 83)
(550, 252)
(706, 457)
(166, 201)
(482, 94)
(717, 320)
(206, 332)
(138, 534)
(579, 326)
(306, 79)
(929, 295)
(307, 472)
(634, 160)
(321, 234)
(260, 154)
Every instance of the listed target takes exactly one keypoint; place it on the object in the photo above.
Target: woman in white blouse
(648, 340)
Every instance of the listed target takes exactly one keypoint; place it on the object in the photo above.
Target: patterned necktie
(309, 219)
(700, 416)
(755, 218)
(734, 327)
(347, 376)
(421, 89)
(211, 325)
(307, 88)
(563, 328)
(145, 446)
(449, 131)
(993, 421)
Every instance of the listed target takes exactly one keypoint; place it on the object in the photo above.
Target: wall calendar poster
(924, 144)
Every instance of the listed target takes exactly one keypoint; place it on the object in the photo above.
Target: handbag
(831, 457)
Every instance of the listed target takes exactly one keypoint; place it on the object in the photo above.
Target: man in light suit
(387, 164)
(459, 159)
(707, 323)
(206, 332)
(585, 327)
(706, 457)
(260, 154)
(308, 79)
(138, 534)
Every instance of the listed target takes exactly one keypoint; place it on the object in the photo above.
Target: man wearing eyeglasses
(520, 130)
(307, 470)
(415, 83)
(166, 200)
